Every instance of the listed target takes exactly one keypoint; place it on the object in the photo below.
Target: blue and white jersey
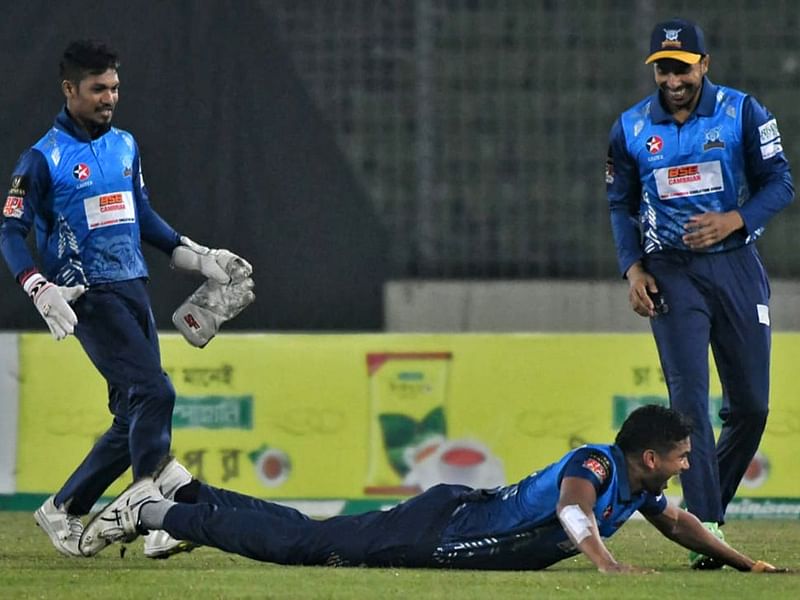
(86, 200)
(727, 156)
(516, 527)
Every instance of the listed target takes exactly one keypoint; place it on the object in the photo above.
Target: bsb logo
(81, 171)
(654, 144)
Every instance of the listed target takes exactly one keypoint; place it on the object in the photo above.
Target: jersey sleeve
(591, 465)
(30, 184)
(653, 505)
(154, 229)
(623, 189)
(768, 175)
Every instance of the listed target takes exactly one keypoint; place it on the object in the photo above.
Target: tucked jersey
(516, 527)
(728, 155)
(87, 202)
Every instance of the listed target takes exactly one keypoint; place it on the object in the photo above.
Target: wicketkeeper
(80, 187)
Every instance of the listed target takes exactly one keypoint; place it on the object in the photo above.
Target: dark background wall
(234, 152)
(340, 142)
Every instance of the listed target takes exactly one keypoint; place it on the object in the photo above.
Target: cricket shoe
(119, 520)
(160, 544)
(170, 476)
(701, 562)
(63, 528)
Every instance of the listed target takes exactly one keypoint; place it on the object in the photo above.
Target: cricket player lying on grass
(555, 513)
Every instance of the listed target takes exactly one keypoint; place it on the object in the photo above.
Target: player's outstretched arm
(575, 511)
(684, 528)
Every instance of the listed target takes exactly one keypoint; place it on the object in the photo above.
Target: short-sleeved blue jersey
(516, 527)
(86, 200)
(727, 156)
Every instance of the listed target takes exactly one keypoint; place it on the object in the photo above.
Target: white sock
(152, 514)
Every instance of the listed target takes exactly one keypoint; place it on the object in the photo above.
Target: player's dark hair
(653, 427)
(86, 57)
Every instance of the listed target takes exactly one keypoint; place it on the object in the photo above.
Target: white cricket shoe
(170, 476)
(63, 528)
(119, 521)
(160, 544)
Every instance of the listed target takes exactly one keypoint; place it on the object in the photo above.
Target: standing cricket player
(80, 187)
(693, 174)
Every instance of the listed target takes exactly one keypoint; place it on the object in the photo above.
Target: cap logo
(671, 38)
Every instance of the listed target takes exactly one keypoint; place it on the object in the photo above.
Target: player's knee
(753, 418)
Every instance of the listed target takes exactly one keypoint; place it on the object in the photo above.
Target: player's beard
(683, 99)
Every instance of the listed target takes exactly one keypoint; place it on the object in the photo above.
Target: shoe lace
(74, 528)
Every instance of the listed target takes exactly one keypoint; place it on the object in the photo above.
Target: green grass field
(31, 568)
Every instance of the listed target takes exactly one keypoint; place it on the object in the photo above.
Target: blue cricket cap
(678, 39)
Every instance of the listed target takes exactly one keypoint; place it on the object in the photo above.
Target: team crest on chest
(712, 139)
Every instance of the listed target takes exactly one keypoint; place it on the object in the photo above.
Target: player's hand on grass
(623, 568)
(762, 566)
(53, 303)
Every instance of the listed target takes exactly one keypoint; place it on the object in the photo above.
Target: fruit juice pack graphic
(408, 398)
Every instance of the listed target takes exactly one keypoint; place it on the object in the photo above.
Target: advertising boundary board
(296, 419)
(9, 402)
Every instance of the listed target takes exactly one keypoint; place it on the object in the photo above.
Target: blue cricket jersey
(87, 202)
(516, 527)
(728, 155)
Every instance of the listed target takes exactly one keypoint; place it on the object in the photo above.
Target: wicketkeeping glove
(200, 317)
(218, 265)
(52, 302)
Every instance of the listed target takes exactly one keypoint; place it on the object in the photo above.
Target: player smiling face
(92, 100)
(665, 465)
(680, 82)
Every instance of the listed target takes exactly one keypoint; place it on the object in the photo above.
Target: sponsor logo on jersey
(654, 144)
(599, 465)
(13, 207)
(683, 174)
(768, 131)
(19, 185)
(109, 209)
(110, 202)
(81, 171)
(770, 138)
(607, 512)
(689, 180)
(771, 149)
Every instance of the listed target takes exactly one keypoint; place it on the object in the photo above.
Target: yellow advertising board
(360, 416)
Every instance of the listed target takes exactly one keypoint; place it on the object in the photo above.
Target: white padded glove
(52, 302)
(201, 315)
(221, 266)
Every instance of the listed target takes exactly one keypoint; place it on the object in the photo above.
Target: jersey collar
(65, 122)
(623, 485)
(705, 107)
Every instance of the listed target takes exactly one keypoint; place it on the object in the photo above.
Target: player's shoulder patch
(599, 464)
(14, 205)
